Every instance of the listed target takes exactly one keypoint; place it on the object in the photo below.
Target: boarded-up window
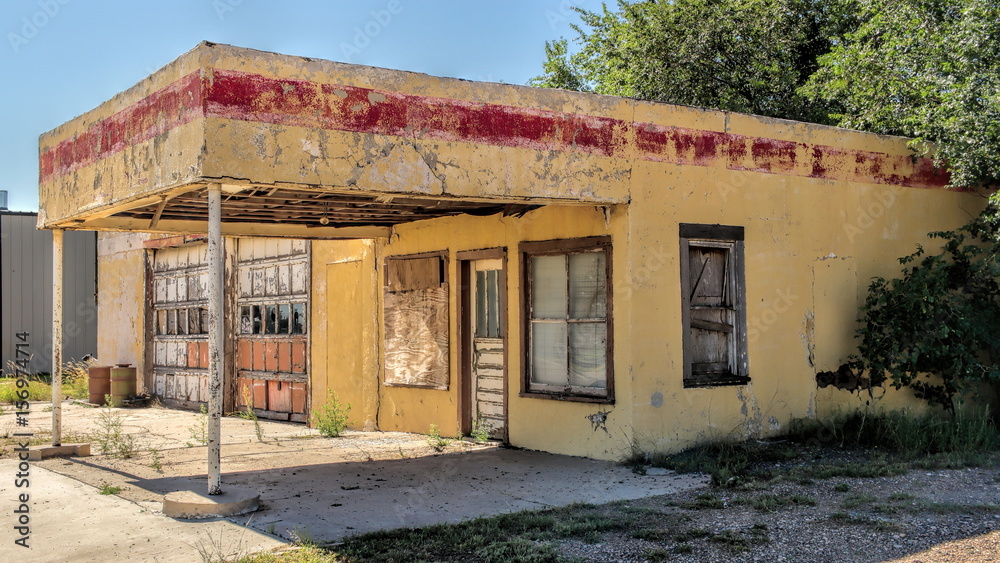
(416, 322)
(567, 310)
(713, 305)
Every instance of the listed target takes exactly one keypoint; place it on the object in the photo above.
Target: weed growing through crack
(435, 440)
(480, 431)
(199, 430)
(157, 460)
(302, 537)
(331, 417)
(111, 439)
(249, 414)
(218, 550)
(107, 489)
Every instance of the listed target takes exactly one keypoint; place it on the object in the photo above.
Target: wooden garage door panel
(279, 396)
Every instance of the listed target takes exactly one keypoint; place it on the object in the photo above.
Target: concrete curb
(38, 453)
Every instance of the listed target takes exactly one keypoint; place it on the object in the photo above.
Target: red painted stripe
(175, 105)
(773, 156)
(250, 97)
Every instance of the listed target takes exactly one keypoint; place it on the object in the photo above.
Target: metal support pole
(57, 335)
(215, 337)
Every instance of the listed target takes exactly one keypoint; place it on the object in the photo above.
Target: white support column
(216, 355)
(57, 335)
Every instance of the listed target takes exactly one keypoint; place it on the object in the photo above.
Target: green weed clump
(107, 489)
(435, 440)
(110, 437)
(863, 444)
(39, 387)
(966, 436)
(75, 378)
(37, 390)
(199, 430)
(248, 413)
(480, 430)
(331, 417)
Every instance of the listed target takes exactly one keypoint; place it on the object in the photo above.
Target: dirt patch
(946, 515)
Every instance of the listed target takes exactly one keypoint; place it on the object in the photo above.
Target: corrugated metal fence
(26, 291)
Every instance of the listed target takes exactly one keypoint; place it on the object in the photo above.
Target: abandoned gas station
(567, 272)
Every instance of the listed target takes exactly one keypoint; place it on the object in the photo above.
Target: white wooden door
(180, 332)
(487, 356)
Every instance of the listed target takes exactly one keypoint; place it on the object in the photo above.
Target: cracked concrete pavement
(323, 488)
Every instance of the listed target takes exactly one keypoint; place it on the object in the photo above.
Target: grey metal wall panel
(26, 291)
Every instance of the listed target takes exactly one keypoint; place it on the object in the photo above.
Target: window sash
(714, 322)
(568, 320)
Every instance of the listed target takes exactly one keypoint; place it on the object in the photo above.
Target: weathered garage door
(272, 344)
(180, 339)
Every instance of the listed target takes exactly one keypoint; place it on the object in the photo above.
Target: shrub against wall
(935, 328)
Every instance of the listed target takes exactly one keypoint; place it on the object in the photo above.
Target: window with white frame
(567, 319)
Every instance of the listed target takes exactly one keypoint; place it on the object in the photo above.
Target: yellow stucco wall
(812, 245)
(121, 271)
(566, 428)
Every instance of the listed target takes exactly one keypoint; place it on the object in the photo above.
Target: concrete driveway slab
(321, 488)
(71, 521)
(332, 501)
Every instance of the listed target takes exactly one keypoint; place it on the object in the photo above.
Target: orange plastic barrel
(122, 385)
(98, 383)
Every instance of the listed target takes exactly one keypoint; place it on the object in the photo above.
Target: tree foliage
(742, 55)
(928, 69)
(934, 329)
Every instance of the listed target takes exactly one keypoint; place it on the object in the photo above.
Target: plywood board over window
(713, 305)
(416, 321)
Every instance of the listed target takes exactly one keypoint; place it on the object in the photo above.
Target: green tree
(741, 55)
(934, 329)
(928, 69)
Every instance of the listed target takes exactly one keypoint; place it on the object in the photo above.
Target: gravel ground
(923, 516)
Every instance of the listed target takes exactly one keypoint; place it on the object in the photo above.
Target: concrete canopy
(316, 149)
(308, 148)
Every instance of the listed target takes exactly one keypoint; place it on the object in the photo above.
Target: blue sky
(61, 58)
